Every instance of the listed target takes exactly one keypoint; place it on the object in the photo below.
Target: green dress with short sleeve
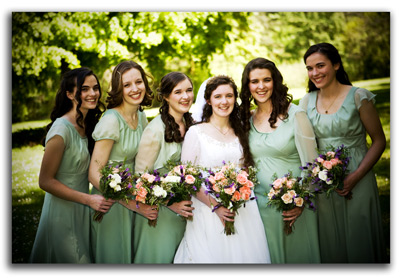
(112, 237)
(157, 245)
(285, 149)
(63, 232)
(350, 230)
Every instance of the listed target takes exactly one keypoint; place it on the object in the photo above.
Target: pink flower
(115, 170)
(290, 183)
(224, 168)
(230, 190)
(139, 184)
(327, 165)
(335, 161)
(142, 192)
(211, 179)
(190, 179)
(299, 201)
(244, 173)
(315, 171)
(292, 193)
(177, 169)
(330, 154)
(242, 179)
(277, 183)
(245, 192)
(320, 160)
(236, 196)
(219, 176)
(249, 184)
(140, 199)
(148, 177)
(216, 188)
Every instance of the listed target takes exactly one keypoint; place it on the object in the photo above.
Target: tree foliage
(45, 45)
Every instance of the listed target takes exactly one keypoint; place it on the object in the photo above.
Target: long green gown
(157, 245)
(112, 237)
(350, 231)
(289, 146)
(63, 232)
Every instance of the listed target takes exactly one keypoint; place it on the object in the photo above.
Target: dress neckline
(267, 133)
(123, 119)
(73, 127)
(341, 106)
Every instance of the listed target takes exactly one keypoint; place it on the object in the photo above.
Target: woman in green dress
(117, 138)
(63, 232)
(281, 140)
(350, 230)
(162, 142)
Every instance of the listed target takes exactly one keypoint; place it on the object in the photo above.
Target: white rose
(116, 178)
(172, 179)
(323, 175)
(287, 198)
(113, 184)
(159, 191)
(330, 181)
(118, 188)
(299, 201)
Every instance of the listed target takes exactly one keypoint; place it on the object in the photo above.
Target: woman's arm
(50, 164)
(101, 153)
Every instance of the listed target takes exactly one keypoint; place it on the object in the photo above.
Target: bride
(220, 137)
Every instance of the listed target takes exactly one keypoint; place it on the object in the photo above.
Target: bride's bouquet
(231, 187)
(185, 181)
(328, 170)
(287, 193)
(151, 189)
(115, 183)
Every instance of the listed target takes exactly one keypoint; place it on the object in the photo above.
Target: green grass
(27, 197)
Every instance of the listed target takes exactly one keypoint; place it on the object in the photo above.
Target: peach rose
(315, 171)
(287, 198)
(250, 184)
(271, 193)
(219, 176)
(140, 199)
(245, 192)
(142, 192)
(211, 179)
(330, 154)
(216, 188)
(148, 177)
(320, 160)
(290, 183)
(277, 183)
(299, 201)
(236, 196)
(230, 190)
(244, 173)
(242, 179)
(334, 161)
(190, 179)
(327, 165)
(177, 169)
(292, 193)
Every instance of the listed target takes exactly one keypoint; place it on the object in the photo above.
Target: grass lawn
(27, 197)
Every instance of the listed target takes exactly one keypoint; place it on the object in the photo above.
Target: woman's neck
(178, 117)
(264, 108)
(219, 122)
(332, 89)
(128, 111)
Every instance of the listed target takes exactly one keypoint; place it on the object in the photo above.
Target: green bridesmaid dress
(157, 245)
(289, 146)
(350, 231)
(112, 237)
(63, 232)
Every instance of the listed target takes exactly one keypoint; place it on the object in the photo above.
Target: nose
(261, 85)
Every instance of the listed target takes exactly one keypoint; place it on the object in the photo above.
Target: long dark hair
(280, 98)
(168, 83)
(333, 55)
(234, 117)
(115, 96)
(71, 80)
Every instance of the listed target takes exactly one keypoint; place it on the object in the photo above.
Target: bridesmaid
(281, 140)
(162, 141)
(350, 230)
(63, 232)
(117, 138)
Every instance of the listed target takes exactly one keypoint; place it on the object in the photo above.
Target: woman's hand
(225, 214)
(183, 208)
(350, 181)
(291, 215)
(99, 203)
(150, 212)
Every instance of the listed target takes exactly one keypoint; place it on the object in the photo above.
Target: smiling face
(320, 70)
(133, 87)
(90, 93)
(181, 98)
(261, 85)
(222, 100)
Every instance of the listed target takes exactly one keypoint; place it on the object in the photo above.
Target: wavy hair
(280, 98)
(71, 80)
(115, 95)
(333, 55)
(168, 83)
(234, 118)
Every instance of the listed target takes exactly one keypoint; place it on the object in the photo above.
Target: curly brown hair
(234, 118)
(115, 96)
(280, 98)
(168, 83)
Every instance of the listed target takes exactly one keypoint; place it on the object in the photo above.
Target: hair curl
(280, 98)
(168, 83)
(234, 118)
(71, 80)
(115, 95)
(333, 55)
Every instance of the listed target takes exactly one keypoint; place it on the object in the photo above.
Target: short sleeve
(149, 149)
(60, 129)
(144, 122)
(304, 102)
(191, 146)
(107, 128)
(361, 94)
(305, 141)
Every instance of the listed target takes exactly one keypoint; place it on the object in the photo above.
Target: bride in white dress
(220, 138)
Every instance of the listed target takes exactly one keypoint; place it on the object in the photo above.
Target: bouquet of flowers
(185, 181)
(231, 187)
(151, 189)
(328, 170)
(287, 193)
(115, 183)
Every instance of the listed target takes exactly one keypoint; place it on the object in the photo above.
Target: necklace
(326, 110)
(219, 129)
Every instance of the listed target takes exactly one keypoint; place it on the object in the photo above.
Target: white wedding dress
(204, 240)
